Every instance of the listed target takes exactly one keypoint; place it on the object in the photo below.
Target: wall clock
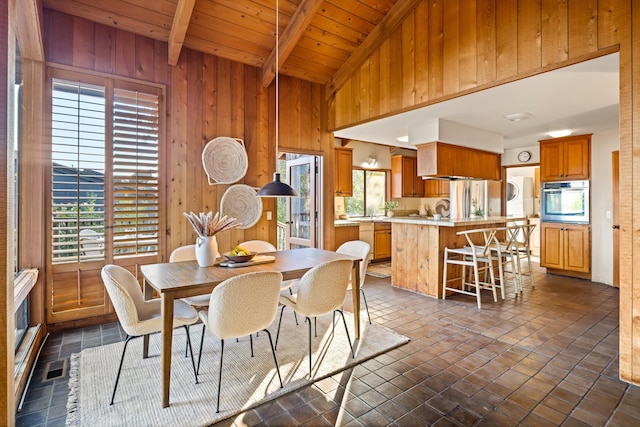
(524, 156)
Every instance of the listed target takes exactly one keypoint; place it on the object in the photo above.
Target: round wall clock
(524, 156)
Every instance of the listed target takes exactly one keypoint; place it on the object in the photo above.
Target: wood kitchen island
(417, 249)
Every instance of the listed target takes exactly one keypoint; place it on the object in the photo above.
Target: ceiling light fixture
(276, 188)
(518, 117)
(560, 133)
(403, 138)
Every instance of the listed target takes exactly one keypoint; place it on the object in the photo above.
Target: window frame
(74, 290)
(387, 191)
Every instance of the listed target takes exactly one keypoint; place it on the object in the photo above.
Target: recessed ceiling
(583, 97)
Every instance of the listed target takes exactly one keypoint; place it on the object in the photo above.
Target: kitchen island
(417, 248)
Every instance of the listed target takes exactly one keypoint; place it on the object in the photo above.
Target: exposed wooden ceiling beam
(179, 29)
(383, 30)
(28, 27)
(289, 38)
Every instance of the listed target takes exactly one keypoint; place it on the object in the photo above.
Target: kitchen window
(369, 193)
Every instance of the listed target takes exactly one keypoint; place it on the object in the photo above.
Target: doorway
(522, 199)
(299, 221)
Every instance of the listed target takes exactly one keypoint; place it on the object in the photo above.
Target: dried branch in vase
(210, 225)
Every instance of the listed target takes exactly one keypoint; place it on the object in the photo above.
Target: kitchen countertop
(345, 223)
(425, 220)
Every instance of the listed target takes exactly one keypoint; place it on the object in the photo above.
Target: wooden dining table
(186, 279)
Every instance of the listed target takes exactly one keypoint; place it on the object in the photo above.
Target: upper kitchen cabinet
(565, 159)
(405, 181)
(437, 188)
(343, 175)
(441, 160)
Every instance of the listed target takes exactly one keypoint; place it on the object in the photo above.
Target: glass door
(302, 210)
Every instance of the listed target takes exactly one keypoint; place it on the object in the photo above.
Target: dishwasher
(366, 235)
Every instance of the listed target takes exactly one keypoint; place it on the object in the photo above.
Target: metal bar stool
(472, 256)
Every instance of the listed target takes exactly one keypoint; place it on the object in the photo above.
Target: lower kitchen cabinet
(382, 241)
(566, 247)
(345, 234)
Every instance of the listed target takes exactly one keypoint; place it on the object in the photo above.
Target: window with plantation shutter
(135, 173)
(104, 199)
(78, 165)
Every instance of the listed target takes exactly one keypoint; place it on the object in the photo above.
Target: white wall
(510, 155)
(602, 145)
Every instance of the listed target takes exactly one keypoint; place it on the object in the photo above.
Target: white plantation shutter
(135, 172)
(78, 164)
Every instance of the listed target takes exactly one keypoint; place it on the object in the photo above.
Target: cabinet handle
(616, 227)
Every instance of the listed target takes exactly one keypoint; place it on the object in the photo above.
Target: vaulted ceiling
(321, 41)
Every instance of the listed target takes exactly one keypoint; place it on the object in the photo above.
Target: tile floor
(546, 357)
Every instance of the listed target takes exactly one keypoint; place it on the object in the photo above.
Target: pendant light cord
(277, 80)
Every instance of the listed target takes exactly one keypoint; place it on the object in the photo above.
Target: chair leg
(220, 375)
(315, 327)
(186, 346)
(124, 350)
(444, 274)
(193, 362)
(295, 316)
(275, 359)
(279, 323)
(200, 354)
(251, 343)
(365, 304)
(344, 321)
(309, 321)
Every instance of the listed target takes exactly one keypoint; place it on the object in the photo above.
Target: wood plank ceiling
(317, 37)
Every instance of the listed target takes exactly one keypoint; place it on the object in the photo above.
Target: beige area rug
(381, 270)
(246, 381)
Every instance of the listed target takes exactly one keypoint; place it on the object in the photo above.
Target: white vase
(389, 214)
(206, 250)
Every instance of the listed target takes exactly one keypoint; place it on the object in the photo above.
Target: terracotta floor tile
(548, 356)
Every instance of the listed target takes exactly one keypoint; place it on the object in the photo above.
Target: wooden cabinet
(405, 181)
(343, 174)
(565, 159)
(437, 159)
(437, 187)
(345, 234)
(566, 247)
(382, 241)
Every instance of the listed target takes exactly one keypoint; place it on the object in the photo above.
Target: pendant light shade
(277, 189)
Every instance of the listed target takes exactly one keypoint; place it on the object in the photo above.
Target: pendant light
(276, 188)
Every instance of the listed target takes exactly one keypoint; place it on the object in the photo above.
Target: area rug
(381, 270)
(246, 381)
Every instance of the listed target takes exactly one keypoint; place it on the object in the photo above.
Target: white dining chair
(261, 246)
(139, 317)
(321, 290)
(188, 253)
(241, 306)
(360, 249)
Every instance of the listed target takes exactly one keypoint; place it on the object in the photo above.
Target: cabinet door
(577, 247)
(551, 161)
(343, 174)
(404, 177)
(382, 244)
(551, 251)
(576, 159)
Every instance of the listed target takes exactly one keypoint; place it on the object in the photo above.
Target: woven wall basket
(240, 201)
(224, 160)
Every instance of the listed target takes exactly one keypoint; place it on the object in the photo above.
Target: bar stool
(505, 253)
(472, 256)
(522, 251)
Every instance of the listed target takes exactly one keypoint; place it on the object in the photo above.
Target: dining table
(186, 279)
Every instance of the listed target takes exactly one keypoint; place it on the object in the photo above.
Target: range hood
(439, 160)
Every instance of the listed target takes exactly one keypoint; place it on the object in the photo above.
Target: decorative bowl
(240, 258)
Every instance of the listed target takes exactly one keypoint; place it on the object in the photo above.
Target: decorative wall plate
(241, 202)
(225, 160)
(442, 207)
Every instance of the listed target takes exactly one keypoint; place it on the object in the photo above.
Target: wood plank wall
(207, 97)
(448, 48)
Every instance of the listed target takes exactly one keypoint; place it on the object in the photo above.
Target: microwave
(565, 201)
